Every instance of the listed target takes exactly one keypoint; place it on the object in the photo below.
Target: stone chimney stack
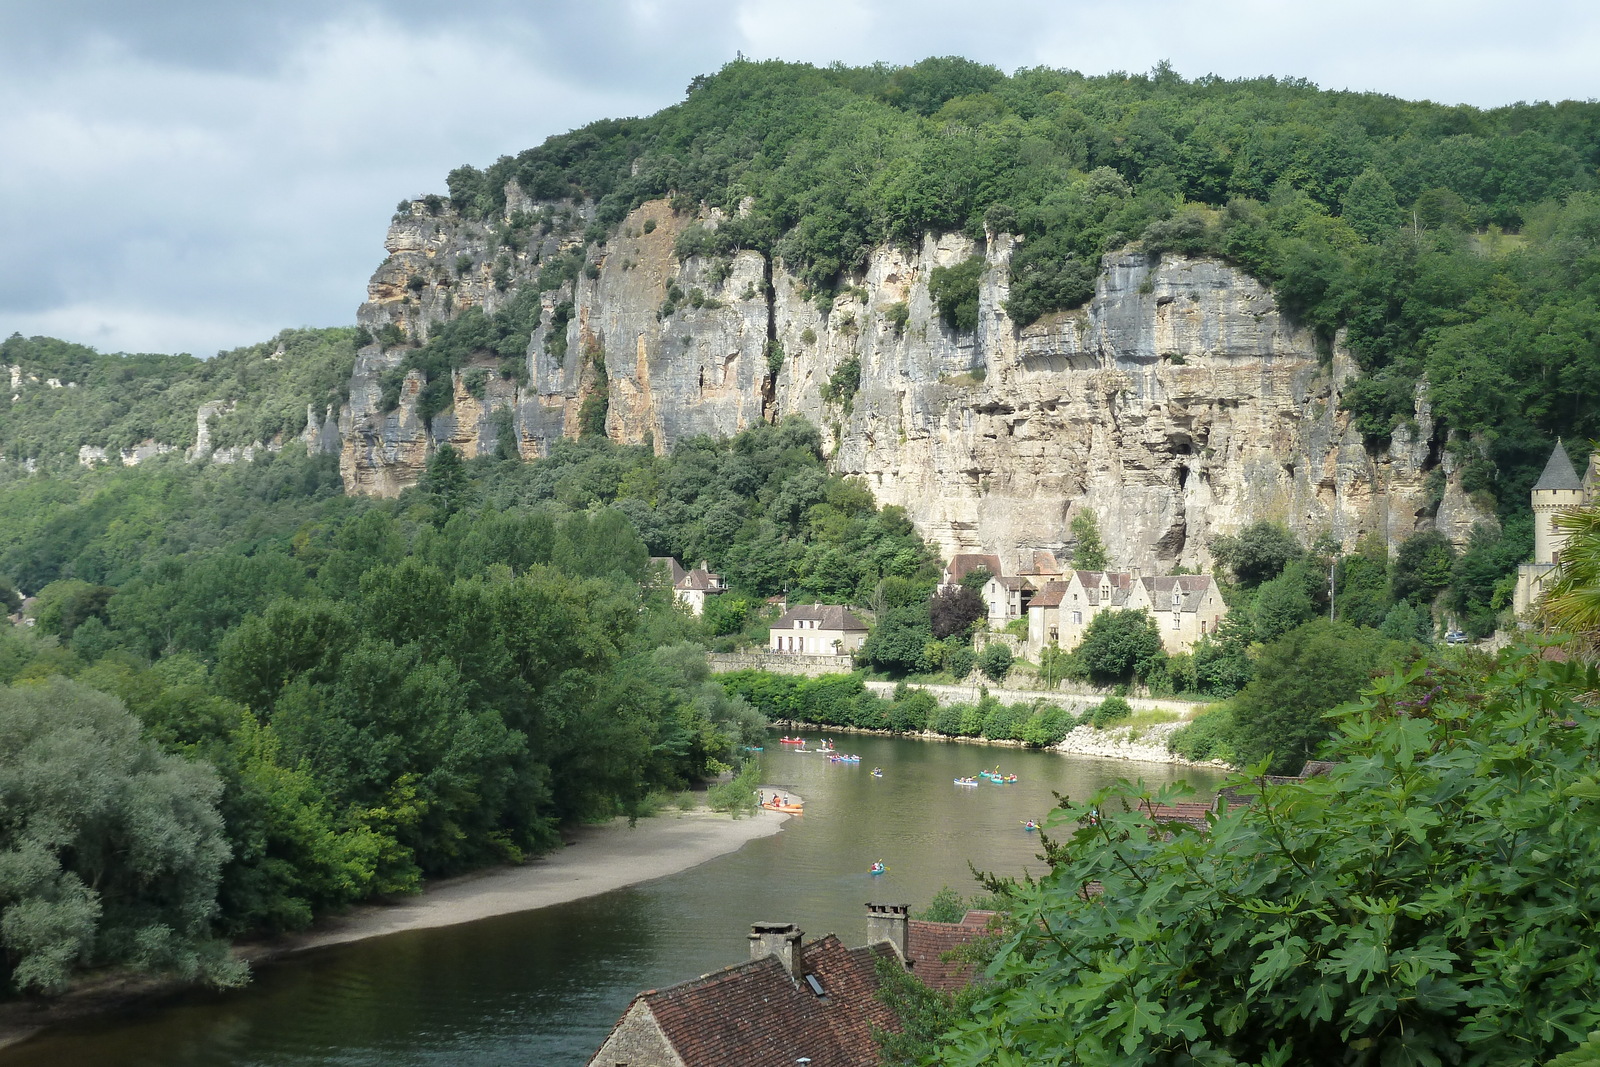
(781, 940)
(887, 922)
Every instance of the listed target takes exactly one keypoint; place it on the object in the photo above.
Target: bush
(995, 661)
(1112, 710)
(955, 291)
(960, 661)
(1209, 736)
(737, 796)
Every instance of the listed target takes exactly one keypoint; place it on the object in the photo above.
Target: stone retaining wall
(779, 663)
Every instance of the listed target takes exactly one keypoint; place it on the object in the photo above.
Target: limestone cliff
(1177, 404)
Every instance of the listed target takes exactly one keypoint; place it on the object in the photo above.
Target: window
(1077, 618)
(1177, 620)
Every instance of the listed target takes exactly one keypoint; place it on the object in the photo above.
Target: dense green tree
(1298, 678)
(110, 850)
(1259, 552)
(1361, 583)
(1120, 645)
(1282, 603)
(1422, 568)
(898, 639)
(1222, 663)
(995, 661)
(1088, 550)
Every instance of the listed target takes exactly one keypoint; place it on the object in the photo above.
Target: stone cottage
(1184, 606)
(818, 630)
(691, 587)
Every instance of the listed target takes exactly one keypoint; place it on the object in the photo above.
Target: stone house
(818, 630)
(1558, 489)
(792, 1002)
(1184, 606)
(691, 587)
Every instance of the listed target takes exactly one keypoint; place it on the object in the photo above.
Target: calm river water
(541, 989)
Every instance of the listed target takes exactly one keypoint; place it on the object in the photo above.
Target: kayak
(878, 868)
(787, 809)
(966, 781)
(791, 740)
(1030, 825)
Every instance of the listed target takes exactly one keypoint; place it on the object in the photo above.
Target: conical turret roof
(1558, 472)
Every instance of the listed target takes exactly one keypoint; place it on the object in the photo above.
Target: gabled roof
(755, 1014)
(700, 579)
(1013, 582)
(1049, 596)
(1182, 592)
(675, 571)
(964, 563)
(826, 616)
(1558, 472)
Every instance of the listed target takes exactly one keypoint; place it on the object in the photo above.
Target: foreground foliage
(1432, 900)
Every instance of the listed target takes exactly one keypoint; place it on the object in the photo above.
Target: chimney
(781, 940)
(887, 922)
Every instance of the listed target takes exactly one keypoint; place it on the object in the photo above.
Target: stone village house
(818, 630)
(1184, 606)
(691, 587)
(794, 1001)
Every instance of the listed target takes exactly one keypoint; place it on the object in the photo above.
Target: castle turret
(1557, 489)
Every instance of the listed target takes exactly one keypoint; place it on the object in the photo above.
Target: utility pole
(1331, 567)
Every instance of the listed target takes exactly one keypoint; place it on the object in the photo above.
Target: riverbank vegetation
(342, 696)
(1428, 900)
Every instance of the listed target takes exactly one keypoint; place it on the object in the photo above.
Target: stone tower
(1557, 489)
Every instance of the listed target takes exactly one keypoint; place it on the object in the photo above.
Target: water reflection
(544, 987)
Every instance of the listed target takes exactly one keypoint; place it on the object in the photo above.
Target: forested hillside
(1448, 244)
(116, 402)
(331, 697)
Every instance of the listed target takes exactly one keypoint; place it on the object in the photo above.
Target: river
(542, 988)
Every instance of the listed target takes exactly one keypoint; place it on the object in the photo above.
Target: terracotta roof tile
(928, 942)
(754, 1014)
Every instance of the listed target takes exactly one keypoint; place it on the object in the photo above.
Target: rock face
(1178, 404)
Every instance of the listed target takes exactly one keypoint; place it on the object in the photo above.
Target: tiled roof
(1187, 590)
(826, 616)
(675, 570)
(1049, 596)
(964, 563)
(927, 943)
(754, 1014)
(1044, 562)
(1014, 582)
(701, 579)
(1558, 472)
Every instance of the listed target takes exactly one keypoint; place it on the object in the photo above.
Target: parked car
(1455, 637)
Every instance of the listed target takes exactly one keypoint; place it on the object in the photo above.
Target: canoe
(787, 809)
(791, 740)
(966, 781)
(877, 868)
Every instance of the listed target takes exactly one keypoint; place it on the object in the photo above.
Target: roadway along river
(543, 988)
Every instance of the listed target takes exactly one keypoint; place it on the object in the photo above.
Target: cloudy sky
(194, 175)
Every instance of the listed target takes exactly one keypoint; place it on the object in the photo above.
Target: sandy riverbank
(597, 859)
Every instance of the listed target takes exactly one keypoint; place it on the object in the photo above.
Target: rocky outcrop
(1179, 403)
